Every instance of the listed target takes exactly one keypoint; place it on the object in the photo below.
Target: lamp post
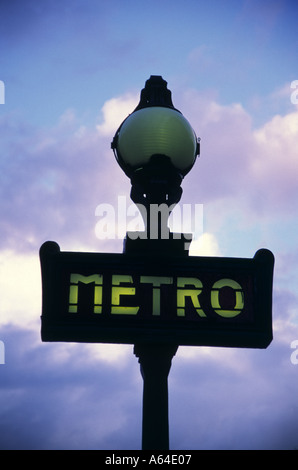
(156, 147)
(153, 295)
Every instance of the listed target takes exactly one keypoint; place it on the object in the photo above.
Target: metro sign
(126, 298)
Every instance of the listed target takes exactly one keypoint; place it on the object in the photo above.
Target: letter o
(227, 313)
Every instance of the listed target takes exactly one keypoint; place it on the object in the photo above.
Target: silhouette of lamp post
(156, 147)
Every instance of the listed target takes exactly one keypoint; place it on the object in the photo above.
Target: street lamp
(153, 295)
(156, 147)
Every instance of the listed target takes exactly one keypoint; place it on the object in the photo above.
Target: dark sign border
(57, 327)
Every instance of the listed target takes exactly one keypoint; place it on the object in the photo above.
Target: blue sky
(72, 71)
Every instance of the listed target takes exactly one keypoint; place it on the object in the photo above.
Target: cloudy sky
(72, 70)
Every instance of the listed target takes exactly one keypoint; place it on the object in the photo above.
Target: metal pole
(155, 363)
(155, 358)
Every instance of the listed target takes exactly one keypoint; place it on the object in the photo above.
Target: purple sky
(72, 72)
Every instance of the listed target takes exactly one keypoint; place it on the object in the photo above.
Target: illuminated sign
(124, 298)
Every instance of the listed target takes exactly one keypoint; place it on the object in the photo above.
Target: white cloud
(254, 167)
(20, 287)
(274, 166)
(115, 111)
(280, 130)
(115, 355)
(205, 245)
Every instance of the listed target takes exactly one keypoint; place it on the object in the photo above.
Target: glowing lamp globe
(156, 131)
(155, 134)
(155, 146)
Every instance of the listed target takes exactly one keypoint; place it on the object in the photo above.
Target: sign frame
(57, 325)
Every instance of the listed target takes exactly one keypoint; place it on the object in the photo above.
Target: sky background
(72, 71)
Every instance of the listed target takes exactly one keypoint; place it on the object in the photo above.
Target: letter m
(74, 291)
